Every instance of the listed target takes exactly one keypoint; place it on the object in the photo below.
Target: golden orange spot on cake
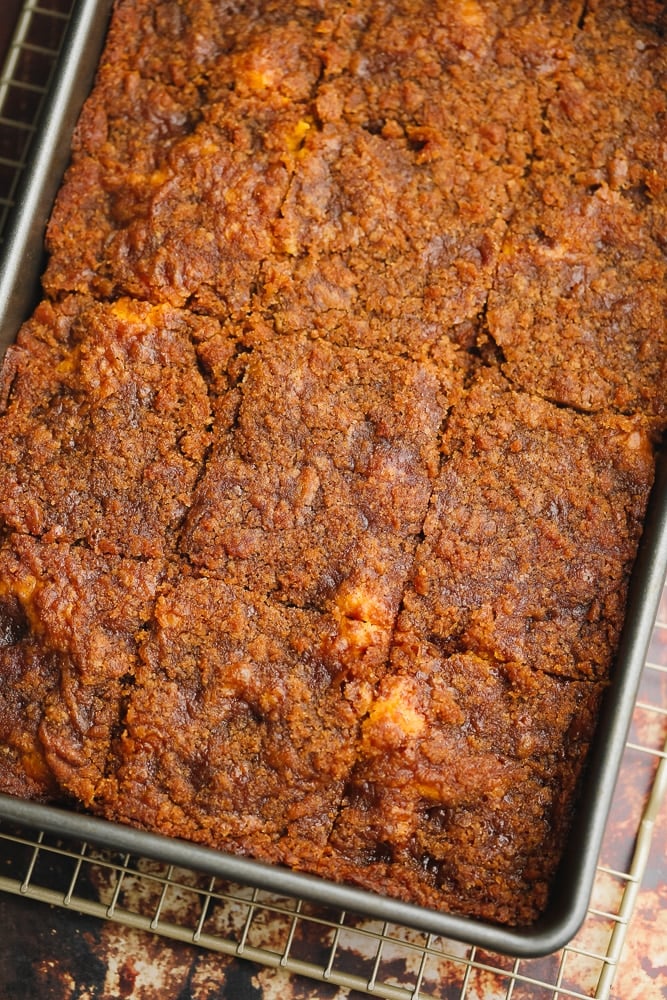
(296, 140)
(360, 635)
(393, 719)
(471, 12)
(361, 605)
(258, 79)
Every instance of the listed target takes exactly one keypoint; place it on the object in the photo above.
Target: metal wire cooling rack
(383, 960)
(28, 68)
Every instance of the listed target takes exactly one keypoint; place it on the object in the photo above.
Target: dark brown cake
(105, 426)
(448, 744)
(326, 454)
(579, 304)
(532, 529)
(75, 618)
(28, 673)
(242, 726)
(318, 493)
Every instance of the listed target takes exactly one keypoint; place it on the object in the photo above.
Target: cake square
(105, 425)
(316, 496)
(184, 153)
(579, 302)
(242, 723)
(531, 533)
(71, 622)
(28, 674)
(464, 783)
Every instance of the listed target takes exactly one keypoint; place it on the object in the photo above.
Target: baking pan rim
(21, 262)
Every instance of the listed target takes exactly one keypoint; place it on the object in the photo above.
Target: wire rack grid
(29, 63)
(337, 948)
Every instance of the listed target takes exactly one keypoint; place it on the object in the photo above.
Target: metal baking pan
(21, 263)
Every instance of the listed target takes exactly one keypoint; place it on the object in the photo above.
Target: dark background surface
(10, 9)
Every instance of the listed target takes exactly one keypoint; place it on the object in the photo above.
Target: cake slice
(579, 302)
(317, 494)
(464, 784)
(242, 723)
(183, 154)
(71, 624)
(28, 674)
(531, 533)
(105, 425)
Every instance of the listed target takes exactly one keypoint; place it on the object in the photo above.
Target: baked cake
(326, 453)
